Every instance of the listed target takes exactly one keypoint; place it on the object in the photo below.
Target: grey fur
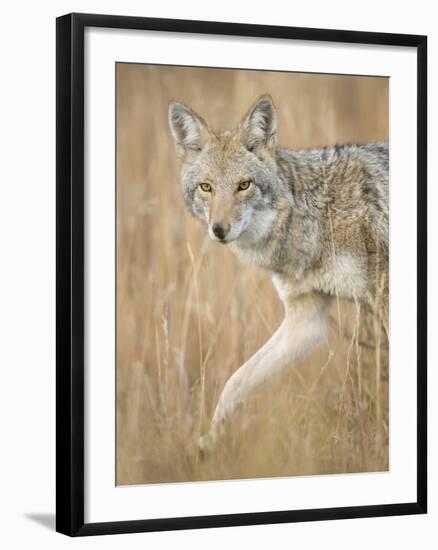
(317, 219)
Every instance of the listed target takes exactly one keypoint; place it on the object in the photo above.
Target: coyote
(317, 219)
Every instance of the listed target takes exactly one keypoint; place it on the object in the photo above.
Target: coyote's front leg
(304, 326)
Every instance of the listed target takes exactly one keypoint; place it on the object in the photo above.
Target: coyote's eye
(206, 187)
(244, 185)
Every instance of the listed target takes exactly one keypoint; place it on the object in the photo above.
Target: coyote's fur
(317, 219)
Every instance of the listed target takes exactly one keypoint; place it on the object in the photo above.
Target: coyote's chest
(344, 277)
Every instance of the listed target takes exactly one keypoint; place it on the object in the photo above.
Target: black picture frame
(70, 273)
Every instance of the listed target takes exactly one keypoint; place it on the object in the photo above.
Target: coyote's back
(340, 223)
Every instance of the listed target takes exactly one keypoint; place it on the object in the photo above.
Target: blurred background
(189, 313)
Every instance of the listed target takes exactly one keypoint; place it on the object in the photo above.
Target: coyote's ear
(189, 130)
(258, 129)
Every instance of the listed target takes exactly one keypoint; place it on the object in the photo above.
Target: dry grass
(189, 313)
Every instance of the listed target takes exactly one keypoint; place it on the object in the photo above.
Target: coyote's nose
(220, 230)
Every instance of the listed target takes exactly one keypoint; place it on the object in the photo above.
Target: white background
(104, 501)
(27, 304)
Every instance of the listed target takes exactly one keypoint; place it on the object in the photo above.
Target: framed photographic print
(241, 274)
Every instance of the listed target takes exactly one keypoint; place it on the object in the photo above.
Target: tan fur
(317, 219)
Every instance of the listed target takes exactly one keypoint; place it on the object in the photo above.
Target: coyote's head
(230, 180)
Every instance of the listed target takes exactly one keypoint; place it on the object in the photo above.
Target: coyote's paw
(206, 445)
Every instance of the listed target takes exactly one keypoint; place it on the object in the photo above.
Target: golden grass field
(189, 313)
